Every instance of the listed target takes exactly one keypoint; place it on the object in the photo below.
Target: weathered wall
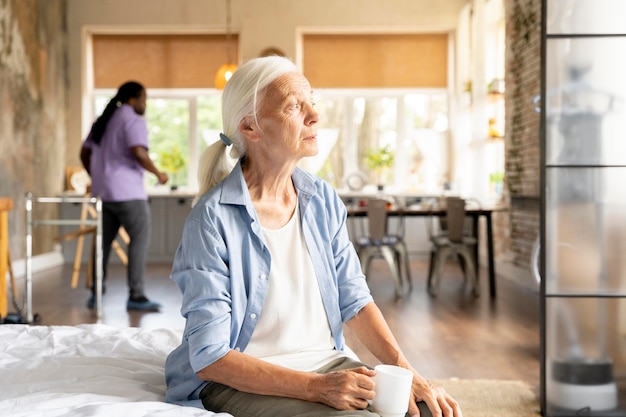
(33, 86)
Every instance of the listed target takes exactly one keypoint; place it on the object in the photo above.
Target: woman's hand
(439, 402)
(348, 389)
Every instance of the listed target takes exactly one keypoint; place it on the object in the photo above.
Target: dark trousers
(220, 398)
(135, 217)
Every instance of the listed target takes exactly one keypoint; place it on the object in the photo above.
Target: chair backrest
(377, 218)
(471, 203)
(455, 218)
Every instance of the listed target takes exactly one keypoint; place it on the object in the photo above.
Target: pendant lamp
(226, 70)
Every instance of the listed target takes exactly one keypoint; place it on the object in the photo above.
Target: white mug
(393, 390)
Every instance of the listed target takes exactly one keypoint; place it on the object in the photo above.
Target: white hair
(241, 98)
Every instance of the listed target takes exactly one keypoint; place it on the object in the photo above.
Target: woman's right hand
(348, 389)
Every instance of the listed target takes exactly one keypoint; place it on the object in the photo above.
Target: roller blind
(376, 61)
(160, 61)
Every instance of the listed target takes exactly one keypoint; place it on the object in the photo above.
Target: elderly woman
(269, 275)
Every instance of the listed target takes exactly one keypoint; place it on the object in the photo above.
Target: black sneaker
(142, 304)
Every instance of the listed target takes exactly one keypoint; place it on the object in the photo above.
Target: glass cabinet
(583, 361)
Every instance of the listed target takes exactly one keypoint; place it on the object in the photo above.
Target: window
(181, 124)
(401, 105)
(381, 98)
(184, 111)
(412, 124)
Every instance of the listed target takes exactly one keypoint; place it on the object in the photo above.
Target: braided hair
(128, 90)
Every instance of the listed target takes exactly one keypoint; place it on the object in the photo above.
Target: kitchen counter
(169, 211)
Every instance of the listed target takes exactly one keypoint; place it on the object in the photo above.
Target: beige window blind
(160, 61)
(376, 60)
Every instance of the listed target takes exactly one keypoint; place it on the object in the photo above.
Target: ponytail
(128, 90)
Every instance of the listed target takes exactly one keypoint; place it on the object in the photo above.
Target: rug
(493, 398)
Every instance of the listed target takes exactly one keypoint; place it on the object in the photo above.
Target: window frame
(399, 94)
(348, 95)
(191, 96)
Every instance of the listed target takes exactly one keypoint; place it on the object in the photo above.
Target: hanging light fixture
(226, 70)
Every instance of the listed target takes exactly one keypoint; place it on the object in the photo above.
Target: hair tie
(225, 139)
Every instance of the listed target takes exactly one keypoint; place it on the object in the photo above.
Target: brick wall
(523, 71)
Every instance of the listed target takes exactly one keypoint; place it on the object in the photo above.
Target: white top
(292, 330)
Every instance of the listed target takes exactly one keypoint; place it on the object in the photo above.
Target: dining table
(475, 213)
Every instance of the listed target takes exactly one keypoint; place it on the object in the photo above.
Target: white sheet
(86, 370)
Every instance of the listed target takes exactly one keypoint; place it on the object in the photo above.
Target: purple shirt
(116, 175)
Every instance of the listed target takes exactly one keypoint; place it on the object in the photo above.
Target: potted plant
(172, 161)
(379, 160)
(495, 182)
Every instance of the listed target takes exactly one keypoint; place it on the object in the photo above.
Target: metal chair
(378, 242)
(453, 240)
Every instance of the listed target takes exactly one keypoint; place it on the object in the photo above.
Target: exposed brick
(523, 63)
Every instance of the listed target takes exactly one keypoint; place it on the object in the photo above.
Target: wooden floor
(453, 335)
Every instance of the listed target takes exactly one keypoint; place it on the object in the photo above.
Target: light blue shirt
(222, 267)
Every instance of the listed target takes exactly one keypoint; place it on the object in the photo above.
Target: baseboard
(39, 263)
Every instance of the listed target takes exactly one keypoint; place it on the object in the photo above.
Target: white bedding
(86, 370)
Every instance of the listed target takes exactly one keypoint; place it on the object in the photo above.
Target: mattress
(87, 370)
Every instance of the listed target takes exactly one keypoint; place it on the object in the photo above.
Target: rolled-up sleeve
(200, 271)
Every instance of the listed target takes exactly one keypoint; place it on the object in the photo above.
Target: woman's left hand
(439, 402)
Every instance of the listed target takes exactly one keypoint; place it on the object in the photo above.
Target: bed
(86, 370)
(103, 371)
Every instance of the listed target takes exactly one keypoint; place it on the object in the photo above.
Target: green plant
(496, 180)
(496, 177)
(172, 160)
(379, 158)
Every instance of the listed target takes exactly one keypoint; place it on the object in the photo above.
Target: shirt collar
(234, 190)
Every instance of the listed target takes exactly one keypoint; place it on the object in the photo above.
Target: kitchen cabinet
(169, 212)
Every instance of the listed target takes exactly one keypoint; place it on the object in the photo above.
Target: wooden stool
(88, 210)
(6, 204)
